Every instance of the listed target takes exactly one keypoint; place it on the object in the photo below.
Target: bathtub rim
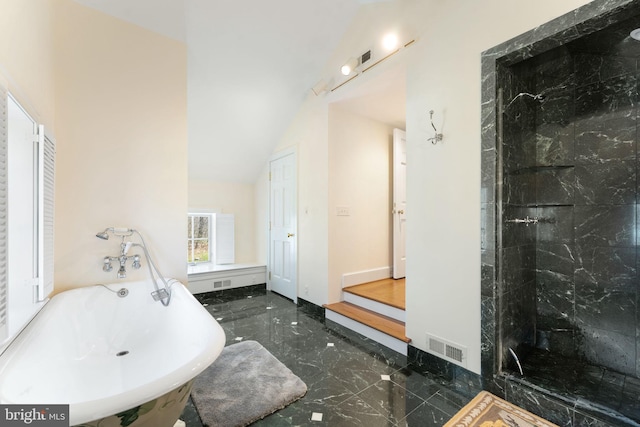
(4, 346)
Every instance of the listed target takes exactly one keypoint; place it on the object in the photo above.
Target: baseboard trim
(365, 276)
(311, 309)
(423, 362)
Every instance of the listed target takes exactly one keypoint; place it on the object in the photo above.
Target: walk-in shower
(562, 282)
(569, 171)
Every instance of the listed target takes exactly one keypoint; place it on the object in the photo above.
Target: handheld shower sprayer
(104, 235)
(116, 231)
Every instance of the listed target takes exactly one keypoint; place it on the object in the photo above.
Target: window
(199, 235)
(27, 173)
(210, 238)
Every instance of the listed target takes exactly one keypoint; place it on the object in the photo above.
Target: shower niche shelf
(536, 169)
(550, 205)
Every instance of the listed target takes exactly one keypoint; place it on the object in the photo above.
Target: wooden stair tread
(386, 291)
(370, 318)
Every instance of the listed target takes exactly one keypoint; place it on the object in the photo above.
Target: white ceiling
(161, 16)
(251, 64)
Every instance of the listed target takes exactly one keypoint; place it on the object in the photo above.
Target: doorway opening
(363, 215)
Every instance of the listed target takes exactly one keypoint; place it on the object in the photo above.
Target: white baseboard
(359, 277)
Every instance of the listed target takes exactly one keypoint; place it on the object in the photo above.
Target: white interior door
(282, 225)
(399, 202)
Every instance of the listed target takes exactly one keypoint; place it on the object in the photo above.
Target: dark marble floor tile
(190, 415)
(356, 412)
(356, 374)
(328, 390)
(418, 384)
(425, 415)
(231, 294)
(344, 372)
(391, 400)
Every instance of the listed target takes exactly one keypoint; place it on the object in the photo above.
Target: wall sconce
(349, 66)
(438, 136)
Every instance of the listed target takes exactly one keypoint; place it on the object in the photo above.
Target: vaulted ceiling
(251, 64)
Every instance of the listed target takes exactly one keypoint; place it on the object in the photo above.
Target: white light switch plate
(342, 211)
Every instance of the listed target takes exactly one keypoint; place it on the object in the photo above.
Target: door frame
(281, 154)
(399, 212)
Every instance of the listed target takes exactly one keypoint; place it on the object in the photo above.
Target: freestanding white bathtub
(105, 355)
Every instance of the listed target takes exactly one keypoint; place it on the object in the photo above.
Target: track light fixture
(389, 45)
(320, 87)
(349, 66)
(390, 42)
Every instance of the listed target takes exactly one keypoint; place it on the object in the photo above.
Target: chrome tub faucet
(122, 260)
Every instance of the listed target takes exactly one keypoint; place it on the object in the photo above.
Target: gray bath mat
(244, 384)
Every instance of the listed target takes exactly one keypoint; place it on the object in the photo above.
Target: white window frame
(17, 308)
(190, 216)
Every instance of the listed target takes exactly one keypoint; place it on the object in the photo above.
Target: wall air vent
(447, 350)
(365, 57)
(436, 346)
(221, 284)
(454, 353)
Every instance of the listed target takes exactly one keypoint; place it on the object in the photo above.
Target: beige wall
(121, 130)
(233, 198)
(26, 55)
(360, 179)
(443, 201)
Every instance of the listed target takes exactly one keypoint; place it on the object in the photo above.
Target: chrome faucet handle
(122, 273)
(106, 266)
(136, 262)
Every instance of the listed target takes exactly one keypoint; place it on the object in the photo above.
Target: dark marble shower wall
(518, 249)
(570, 282)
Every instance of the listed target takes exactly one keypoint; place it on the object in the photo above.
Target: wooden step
(370, 318)
(386, 291)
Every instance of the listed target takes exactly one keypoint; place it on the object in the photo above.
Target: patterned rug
(244, 384)
(487, 410)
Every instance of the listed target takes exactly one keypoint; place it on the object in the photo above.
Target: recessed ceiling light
(635, 34)
(390, 41)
